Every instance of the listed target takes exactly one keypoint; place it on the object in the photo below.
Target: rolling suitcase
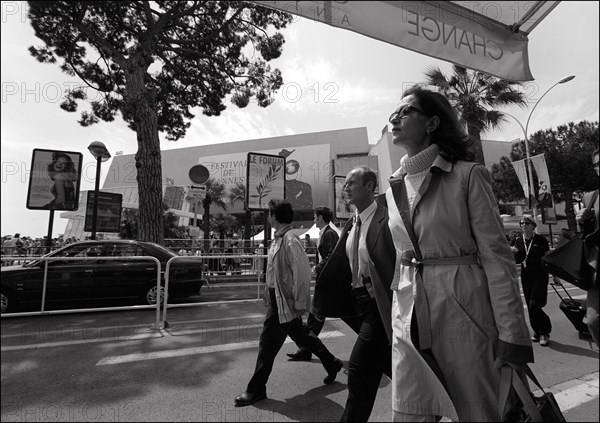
(574, 309)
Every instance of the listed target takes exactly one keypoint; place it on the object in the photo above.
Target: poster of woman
(343, 209)
(54, 182)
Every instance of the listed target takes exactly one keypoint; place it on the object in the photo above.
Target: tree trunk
(206, 221)
(147, 158)
(247, 226)
(477, 147)
(570, 211)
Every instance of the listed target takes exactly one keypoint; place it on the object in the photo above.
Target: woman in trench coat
(457, 314)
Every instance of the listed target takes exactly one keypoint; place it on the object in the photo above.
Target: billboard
(265, 180)
(307, 170)
(343, 209)
(55, 180)
(108, 218)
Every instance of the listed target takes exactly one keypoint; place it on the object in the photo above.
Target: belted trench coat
(474, 306)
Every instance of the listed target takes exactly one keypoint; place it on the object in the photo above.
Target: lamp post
(527, 153)
(99, 151)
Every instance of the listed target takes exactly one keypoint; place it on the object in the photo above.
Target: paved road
(113, 366)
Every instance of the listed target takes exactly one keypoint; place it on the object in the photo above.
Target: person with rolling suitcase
(574, 309)
(528, 251)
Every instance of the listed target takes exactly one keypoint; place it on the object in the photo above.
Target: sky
(333, 79)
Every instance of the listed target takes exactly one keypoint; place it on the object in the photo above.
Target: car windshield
(156, 248)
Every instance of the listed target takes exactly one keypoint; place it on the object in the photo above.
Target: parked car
(94, 282)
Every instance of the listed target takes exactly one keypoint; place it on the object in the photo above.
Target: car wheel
(150, 296)
(7, 302)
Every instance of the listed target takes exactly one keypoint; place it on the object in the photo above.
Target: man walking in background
(328, 237)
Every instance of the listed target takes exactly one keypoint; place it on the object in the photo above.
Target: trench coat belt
(468, 259)
(421, 302)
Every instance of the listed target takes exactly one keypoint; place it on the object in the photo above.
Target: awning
(261, 235)
(314, 232)
(485, 35)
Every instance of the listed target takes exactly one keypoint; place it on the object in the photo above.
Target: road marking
(574, 396)
(119, 359)
(117, 338)
(61, 329)
(123, 338)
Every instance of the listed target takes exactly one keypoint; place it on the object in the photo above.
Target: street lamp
(99, 151)
(527, 153)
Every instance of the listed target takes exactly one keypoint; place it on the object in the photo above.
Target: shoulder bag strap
(593, 199)
(508, 378)
(401, 199)
(421, 307)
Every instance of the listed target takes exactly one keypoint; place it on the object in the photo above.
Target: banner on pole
(523, 175)
(543, 193)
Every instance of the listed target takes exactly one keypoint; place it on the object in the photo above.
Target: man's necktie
(355, 240)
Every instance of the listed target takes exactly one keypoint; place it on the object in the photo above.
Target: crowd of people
(17, 245)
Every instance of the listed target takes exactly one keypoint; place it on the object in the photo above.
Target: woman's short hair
(454, 143)
(282, 210)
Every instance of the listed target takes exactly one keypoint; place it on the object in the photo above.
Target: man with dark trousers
(328, 237)
(355, 284)
(287, 296)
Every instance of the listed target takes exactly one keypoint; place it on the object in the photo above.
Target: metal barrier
(182, 258)
(82, 310)
(257, 270)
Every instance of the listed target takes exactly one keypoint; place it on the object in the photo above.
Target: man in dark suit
(355, 284)
(328, 237)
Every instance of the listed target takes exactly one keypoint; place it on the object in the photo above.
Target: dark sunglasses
(404, 111)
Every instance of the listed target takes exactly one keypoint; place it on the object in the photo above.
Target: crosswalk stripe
(118, 359)
(574, 396)
(127, 338)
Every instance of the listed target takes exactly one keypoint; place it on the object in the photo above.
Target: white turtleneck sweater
(416, 168)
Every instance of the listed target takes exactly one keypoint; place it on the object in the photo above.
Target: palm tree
(215, 193)
(225, 225)
(472, 92)
(130, 218)
(236, 194)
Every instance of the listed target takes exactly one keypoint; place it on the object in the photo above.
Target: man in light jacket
(287, 296)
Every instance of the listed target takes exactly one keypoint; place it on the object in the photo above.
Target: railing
(251, 271)
(258, 284)
(81, 310)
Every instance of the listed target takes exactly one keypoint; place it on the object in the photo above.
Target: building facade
(314, 162)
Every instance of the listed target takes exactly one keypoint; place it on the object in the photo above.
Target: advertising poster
(343, 210)
(55, 180)
(108, 217)
(308, 176)
(265, 180)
